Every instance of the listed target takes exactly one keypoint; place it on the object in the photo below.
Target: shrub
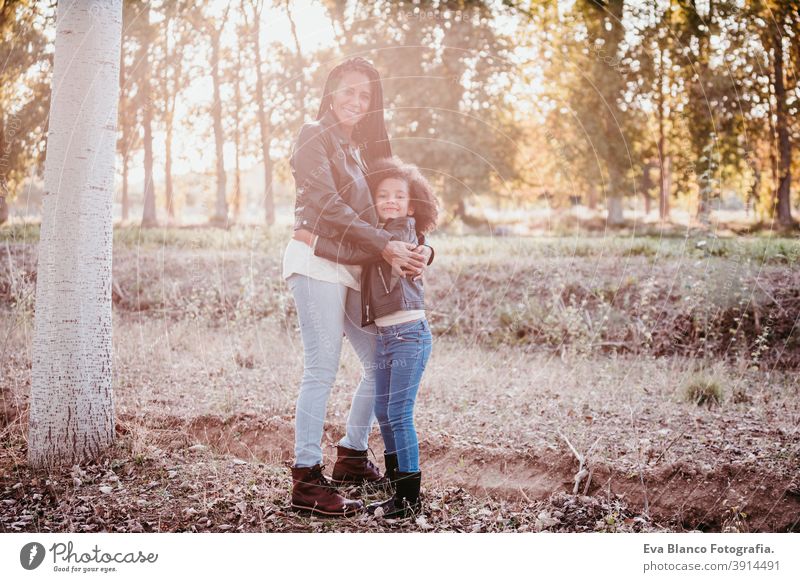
(702, 390)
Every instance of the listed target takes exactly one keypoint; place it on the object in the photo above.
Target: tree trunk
(663, 162)
(614, 198)
(4, 193)
(168, 117)
(168, 189)
(263, 124)
(592, 202)
(125, 200)
(221, 209)
(237, 195)
(783, 193)
(71, 402)
(773, 146)
(647, 183)
(149, 215)
(755, 188)
(664, 185)
(125, 128)
(298, 53)
(663, 173)
(615, 212)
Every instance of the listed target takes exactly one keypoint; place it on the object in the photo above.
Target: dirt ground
(205, 441)
(524, 383)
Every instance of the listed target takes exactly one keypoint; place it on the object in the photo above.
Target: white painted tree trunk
(72, 404)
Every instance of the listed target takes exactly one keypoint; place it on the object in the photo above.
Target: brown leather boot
(353, 468)
(312, 492)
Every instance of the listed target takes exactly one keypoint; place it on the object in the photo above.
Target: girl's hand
(404, 258)
(427, 252)
(305, 236)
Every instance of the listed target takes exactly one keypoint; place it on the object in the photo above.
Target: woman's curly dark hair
(426, 206)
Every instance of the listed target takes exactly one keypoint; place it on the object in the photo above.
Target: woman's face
(351, 98)
(392, 199)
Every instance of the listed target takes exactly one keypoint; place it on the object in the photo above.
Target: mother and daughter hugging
(354, 267)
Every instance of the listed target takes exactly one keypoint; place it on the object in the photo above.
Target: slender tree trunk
(237, 197)
(663, 178)
(168, 188)
(123, 105)
(125, 199)
(706, 188)
(614, 200)
(592, 203)
(783, 193)
(755, 188)
(263, 124)
(168, 117)
(149, 215)
(298, 54)
(4, 193)
(71, 403)
(773, 147)
(663, 162)
(665, 185)
(221, 209)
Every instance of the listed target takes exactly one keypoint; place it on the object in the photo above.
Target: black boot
(390, 462)
(405, 502)
(386, 483)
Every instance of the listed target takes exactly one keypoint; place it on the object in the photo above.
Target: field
(582, 383)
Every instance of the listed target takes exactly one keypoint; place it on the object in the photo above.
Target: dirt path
(676, 495)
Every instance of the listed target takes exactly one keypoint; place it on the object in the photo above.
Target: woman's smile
(351, 100)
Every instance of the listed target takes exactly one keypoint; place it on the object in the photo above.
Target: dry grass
(491, 427)
(527, 356)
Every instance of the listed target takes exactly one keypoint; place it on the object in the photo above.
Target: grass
(489, 420)
(609, 342)
(730, 298)
(757, 249)
(761, 249)
(703, 390)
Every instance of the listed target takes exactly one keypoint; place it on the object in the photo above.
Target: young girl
(394, 301)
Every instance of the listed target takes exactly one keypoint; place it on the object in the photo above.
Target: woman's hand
(305, 236)
(404, 258)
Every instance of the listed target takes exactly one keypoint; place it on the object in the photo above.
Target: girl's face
(392, 199)
(351, 98)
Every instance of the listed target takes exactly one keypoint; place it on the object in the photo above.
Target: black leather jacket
(333, 198)
(382, 291)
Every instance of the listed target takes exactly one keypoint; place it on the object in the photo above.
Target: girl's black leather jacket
(382, 291)
(333, 198)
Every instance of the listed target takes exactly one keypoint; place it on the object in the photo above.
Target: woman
(329, 163)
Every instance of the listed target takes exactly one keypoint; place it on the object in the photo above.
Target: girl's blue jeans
(401, 354)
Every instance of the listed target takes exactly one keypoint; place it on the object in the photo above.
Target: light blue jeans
(326, 312)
